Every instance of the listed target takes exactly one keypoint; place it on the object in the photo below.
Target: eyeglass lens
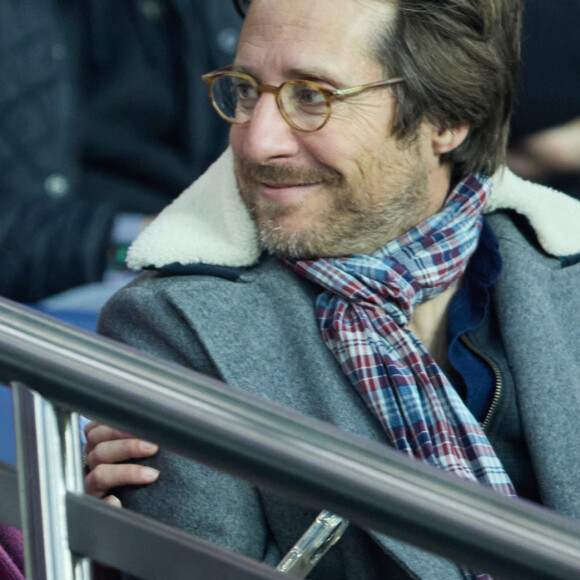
(303, 105)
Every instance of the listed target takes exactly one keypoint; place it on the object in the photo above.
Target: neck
(429, 323)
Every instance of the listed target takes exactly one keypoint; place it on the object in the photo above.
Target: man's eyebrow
(242, 69)
(293, 73)
(313, 75)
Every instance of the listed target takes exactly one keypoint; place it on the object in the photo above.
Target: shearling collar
(209, 224)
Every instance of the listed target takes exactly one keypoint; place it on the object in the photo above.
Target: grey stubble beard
(351, 225)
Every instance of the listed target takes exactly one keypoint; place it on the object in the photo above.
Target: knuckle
(92, 435)
(91, 486)
(98, 475)
(93, 459)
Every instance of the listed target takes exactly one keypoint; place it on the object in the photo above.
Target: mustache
(250, 172)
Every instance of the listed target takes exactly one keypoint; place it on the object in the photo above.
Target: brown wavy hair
(459, 59)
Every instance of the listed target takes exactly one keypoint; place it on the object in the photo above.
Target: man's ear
(446, 139)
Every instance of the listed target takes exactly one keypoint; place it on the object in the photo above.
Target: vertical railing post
(48, 464)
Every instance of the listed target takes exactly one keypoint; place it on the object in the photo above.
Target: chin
(300, 243)
(292, 233)
(285, 242)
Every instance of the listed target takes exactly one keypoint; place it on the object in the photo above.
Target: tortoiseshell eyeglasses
(304, 104)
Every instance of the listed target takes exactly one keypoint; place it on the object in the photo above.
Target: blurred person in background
(103, 121)
(545, 142)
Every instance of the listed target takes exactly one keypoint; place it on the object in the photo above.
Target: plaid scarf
(363, 314)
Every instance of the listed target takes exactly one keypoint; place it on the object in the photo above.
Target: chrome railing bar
(136, 544)
(312, 462)
(153, 551)
(49, 464)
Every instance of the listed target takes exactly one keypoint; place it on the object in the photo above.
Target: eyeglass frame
(241, 7)
(329, 94)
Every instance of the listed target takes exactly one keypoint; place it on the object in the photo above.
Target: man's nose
(268, 136)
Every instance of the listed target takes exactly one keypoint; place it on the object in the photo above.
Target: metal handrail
(283, 451)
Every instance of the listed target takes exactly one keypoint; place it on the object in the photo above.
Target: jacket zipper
(498, 381)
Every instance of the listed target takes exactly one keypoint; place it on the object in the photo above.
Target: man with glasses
(344, 258)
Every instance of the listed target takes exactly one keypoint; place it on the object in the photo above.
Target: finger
(90, 426)
(100, 480)
(113, 500)
(97, 433)
(119, 451)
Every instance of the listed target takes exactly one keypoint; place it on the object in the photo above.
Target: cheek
(357, 133)
(363, 122)
(343, 146)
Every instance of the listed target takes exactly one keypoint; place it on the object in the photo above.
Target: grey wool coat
(259, 334)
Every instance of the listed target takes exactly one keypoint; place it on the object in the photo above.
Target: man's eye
(245, 91)
(309, 98)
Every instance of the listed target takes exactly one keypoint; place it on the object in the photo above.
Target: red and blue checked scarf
(363, 317)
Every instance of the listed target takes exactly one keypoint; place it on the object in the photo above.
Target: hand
(105, 452)
(551, 151)
(559, 147)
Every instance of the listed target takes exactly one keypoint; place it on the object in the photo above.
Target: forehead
(330, 36)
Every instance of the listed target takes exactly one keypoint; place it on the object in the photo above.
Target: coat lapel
(539, 311)
(252, 352)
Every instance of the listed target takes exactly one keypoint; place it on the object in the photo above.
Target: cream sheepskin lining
(208, 223)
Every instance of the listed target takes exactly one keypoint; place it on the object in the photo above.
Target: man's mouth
(282, 184)
(288, 185)
(276, 192)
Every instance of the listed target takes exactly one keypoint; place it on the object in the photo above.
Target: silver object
(324, 532)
